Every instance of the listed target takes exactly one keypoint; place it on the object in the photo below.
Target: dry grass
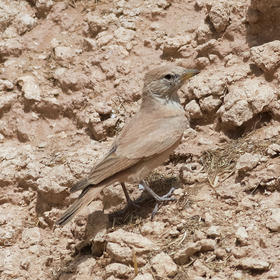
(223, 160)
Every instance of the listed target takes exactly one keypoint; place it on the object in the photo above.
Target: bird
(144, 143)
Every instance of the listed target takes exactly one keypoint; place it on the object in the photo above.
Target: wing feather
(143, 137)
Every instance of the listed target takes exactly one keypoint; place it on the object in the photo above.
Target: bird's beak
(189, 73)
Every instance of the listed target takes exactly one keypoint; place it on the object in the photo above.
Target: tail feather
(80, 185)
(88, 195)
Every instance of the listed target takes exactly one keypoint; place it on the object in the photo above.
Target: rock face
(267, 56)
(71, 75)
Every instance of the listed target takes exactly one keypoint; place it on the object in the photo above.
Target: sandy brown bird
(145, 142)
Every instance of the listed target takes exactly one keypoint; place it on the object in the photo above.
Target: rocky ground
(71, 74)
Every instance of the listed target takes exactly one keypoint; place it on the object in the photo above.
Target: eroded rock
(254, 264)
(274, 223)
(267, 56)
(164, 265)
(30, 88)
(133, 240)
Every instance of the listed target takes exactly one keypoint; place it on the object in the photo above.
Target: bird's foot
(160, 199)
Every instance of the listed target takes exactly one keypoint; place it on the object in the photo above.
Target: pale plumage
(144, 143)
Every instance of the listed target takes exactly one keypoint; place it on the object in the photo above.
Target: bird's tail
(89, 194)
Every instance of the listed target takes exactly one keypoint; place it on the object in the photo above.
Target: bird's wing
(147, 137)
(141, 138)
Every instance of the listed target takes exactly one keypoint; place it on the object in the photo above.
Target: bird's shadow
(145, 203)
(123, 217)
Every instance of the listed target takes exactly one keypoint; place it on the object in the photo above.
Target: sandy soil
(71, 74)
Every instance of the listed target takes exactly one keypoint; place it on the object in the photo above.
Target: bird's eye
(168, 77)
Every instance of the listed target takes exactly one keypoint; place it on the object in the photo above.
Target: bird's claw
(160, 199)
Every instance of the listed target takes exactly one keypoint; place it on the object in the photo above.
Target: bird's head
(163, 81)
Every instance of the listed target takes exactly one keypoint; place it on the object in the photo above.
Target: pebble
(117, 269)
(254, 264)
(164, 265)
(145, 276)
(30, 88)
(241, 236)
(274, 222)
(213, 231)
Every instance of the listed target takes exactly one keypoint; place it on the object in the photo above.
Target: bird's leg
(158, 198)
(130, 202)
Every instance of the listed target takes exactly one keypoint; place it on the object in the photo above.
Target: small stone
(191, 173)
(30, 88)
(239, 252)
(208, 219)
(219, 15)
(272, 274)
(237, 275)
(200, 268)
(99, 133)
(153, 228)
(11, 47)
(241, 236)
(124, 35)
(207, 245)
(210, 103)
(43, 6)
(198, 235)
(274, 222)
(69, 80)
(183, 255)
(164, 265)
(203, 61)
(7, 100)
(6, 85)
(247, 162)
(23, 130)
(263, 242)
(174, 232)
(133, 240)
(103, 38)
(235, 109)
(118, 270)
(95, 24)
(247, 203)
(119, 253)
(267, 56)
(24, 22)
(254, 264)
(172, 45)
(273, 150)
(213, 231)
(220, 253)
(193, 110)
(145, 276)
(179, 192)
(102, 108)
(229, 191)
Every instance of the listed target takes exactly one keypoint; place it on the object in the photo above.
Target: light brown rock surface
(71, 74)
